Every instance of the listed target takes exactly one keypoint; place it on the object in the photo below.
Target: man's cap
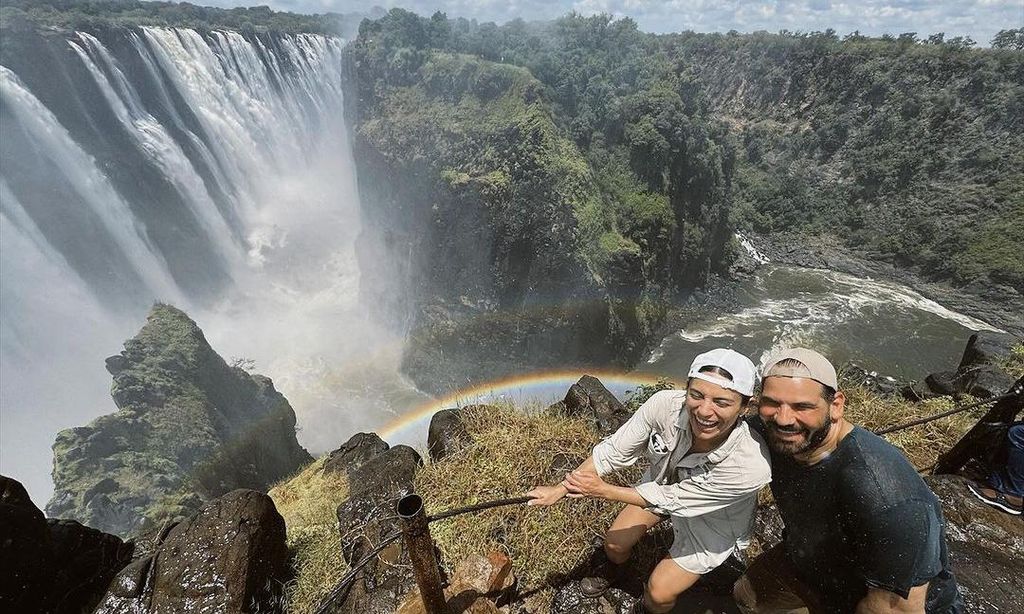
(812, 366)
(744, 373)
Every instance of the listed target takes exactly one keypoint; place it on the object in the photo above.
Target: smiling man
(706, 469)
(863, 532)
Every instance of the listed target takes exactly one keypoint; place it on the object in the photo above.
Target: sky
(979, 19)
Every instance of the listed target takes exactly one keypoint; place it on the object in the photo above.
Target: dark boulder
(980, 372)
(27, 558)
(55, 566)
(588, 398)
(447, 433)
(229, 557)
(986, 548)
(354, 453)
(365, 520)
(86, 560)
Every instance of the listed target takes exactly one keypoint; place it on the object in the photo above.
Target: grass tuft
(512, 452)
(308, 503)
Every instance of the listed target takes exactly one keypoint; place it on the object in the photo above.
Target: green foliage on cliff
(90, 14)
(188, 428)
(907, 150)
(581, 149)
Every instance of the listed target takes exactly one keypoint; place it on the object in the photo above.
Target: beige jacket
(712, 492)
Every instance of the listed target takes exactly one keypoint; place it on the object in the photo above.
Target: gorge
(530, 198)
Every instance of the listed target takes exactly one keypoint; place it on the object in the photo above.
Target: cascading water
(207, 170)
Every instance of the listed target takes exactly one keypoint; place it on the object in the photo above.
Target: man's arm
(881, 601)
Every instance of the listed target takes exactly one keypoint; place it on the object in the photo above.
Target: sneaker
(996, 499)
(594, 586)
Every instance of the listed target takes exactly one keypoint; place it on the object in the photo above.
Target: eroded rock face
(589, 398)
(365, 520)
(986, 548)
(447, 433)
(228, 558)
(979, 372)
(189, 428)
(56, 566)
(352, 454)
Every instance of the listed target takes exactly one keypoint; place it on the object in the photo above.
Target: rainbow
(517, 388)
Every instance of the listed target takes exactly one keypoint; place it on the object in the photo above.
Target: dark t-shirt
(863, 518)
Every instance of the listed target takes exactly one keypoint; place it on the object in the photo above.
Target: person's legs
(769, 586)
(626, 530)
(667, 582)
(1010, 479)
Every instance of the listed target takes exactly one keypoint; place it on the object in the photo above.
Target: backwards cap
(812, 366)
(744, 374)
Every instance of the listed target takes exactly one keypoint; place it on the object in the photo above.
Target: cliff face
(509, 243)
(189, 427)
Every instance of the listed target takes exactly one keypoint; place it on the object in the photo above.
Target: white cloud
(980, 19)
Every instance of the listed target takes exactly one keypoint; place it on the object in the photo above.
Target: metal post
(416, 534)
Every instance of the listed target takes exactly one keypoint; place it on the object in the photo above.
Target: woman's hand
(585, 484)
(546, 495)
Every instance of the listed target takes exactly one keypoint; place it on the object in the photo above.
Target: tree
(1009, 39)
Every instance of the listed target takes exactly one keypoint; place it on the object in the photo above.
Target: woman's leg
(627, 529)
(668, 581)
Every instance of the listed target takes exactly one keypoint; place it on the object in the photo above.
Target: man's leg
(769, 586)
(668, 581)
(627, 529)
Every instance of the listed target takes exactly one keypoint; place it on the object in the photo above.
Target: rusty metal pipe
(419, 544)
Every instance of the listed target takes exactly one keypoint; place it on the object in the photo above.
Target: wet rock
(229, 557)
(447, 433)
(589, 398)
(365, 520)
(986, 548)
(354, 453)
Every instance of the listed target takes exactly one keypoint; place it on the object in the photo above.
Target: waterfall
(210, 170)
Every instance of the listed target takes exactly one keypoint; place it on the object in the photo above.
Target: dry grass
(513, 451)
(921, 444)
(308, 503)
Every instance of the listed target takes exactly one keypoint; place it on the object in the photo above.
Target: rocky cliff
(189, 427)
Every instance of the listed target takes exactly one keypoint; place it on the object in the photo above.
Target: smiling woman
(706, 467)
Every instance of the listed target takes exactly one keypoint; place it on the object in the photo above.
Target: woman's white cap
(744, 374)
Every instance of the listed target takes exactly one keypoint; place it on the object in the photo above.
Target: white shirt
(711, 496)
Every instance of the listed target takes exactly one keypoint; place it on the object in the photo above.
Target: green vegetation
(906, 150)
(92, 14)
(309, 502)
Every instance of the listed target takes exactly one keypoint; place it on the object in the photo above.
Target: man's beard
(812, 438)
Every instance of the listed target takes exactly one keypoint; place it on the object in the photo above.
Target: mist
(251, 140)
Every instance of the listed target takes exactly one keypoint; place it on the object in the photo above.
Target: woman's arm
(586, 483)
(549, 495)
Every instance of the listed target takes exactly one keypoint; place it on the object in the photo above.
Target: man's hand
(585, 483)
(546, 495)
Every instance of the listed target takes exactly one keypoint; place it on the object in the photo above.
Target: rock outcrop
(189, 428)
(365, 520)
(55, 566)
(588, 398)
(229, 558)
(981, 371)
(447, 433)
(355, 452)
(479, 585)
